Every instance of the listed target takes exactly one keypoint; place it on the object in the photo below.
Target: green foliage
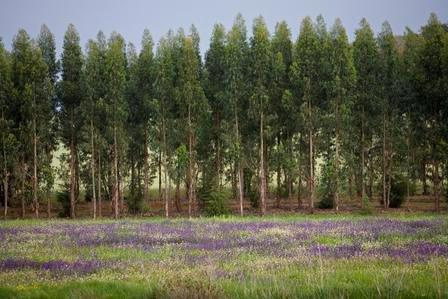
(326, 188)
(397, 191)
(63, 198)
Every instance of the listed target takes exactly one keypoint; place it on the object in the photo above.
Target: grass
(306, 256)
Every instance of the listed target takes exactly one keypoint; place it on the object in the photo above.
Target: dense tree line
(318, 119)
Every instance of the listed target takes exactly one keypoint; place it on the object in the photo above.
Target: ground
(391, 255)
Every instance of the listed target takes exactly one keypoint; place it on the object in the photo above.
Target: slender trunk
(146, 170)
(115, 189)
(100, 206)
(436, 179)
(93, 167)
(384, 162)
(5, 172)
(5, 192)
(262, 174)
(22, 191)
(35, 200)
(160, 174)
(72, 167)
(240, 169)
(279, 182)
(177, 196)
(336, 162)
(190, 165)
(165, 170)
(311, 153)
(363, 162)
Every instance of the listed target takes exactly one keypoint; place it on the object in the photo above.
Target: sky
(131, 17)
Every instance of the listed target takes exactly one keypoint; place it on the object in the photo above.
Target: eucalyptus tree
(93, 92)
(145, 75)
(366, 61)
(389, 81)
(46, 42)
(164, 81)
(33, 107)
(236, 88)
(341, 85)
(115, 64)
(304, 75)
(8, 140)
(284, 122)
(192, 103)
(69, 112)
(214, 89)
(432, 90)
(260, 51)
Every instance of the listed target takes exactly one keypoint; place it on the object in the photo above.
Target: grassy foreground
(393, 256)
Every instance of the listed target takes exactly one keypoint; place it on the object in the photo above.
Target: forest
(258, 117)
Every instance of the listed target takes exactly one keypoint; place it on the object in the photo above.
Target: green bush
(326, 188)
(135, 201)
(63, 197)
(398, 192)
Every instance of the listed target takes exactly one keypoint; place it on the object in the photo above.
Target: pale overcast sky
(130, 17)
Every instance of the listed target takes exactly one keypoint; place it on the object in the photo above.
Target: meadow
(321, 256)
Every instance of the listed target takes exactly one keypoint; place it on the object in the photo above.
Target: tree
(32, 103)
(304, 75)
(340, 89)
(389, 80)
(431, 89)
(115, 63)
(191, 103)
(69, 113)
(366, 61)
(236, 54)
(46, 42)
(8, 141)
(283, 123)
(261, 67)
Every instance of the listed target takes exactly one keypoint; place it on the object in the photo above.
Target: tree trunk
(311, 153)
(165, 170)
(160, 173)
(384, 162)
(262, 174)
(100, 206)
(336, 162)
(115, 188)
(363, 162)
(190, 165)
(436, 179)
(239, 168)
(72, 167)
(93, 167)
(35, 200)
(22, 191)
(146, 171)
(279, 182)
(177, 197)
(5, 191)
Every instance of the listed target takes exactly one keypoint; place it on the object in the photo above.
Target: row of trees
(319, 117)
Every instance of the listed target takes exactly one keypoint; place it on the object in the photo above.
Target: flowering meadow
(300, 256)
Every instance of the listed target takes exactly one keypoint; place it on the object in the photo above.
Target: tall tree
(304, 75)
(191, 103)
(237, 50)
(115, 62)
(341, 86)
(366, 61)
(260, 52)
(70, 97)
(47, 45)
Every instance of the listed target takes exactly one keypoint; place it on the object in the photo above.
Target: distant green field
(274, 257)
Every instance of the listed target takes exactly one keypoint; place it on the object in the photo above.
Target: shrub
(398, 192)
(63, 197)
(135, 201)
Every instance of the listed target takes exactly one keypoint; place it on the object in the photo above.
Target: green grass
(162, 273)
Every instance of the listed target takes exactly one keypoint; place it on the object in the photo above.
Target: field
(388, 256)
